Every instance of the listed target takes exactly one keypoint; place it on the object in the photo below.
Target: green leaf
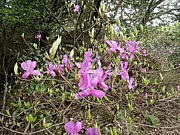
(16, 69)
(151, 119)
(54, 48)
(30, 118)
(71, 55)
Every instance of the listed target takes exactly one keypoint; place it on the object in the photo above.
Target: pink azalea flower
(143, 70)
(124, 55)
(92, 131)
(73, 128)
(124, 73)
(90, 78)
(124, 65)
(50, 69)
(130, 84)
(84, 81)
(38, 36)
(86, 64)
(108, 72)
(29, 66)
(114, 46)
(132, 47)
(66, 62)
(178, 87)
(89, 89)
(60, 69)
(100, 75)
(76, 8)
(84, 67)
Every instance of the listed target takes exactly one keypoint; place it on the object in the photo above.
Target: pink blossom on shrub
(114, 46)
(84, 67)
(124, 73)
(130, 83)
(76, 8)
(89, 88)
(86, 64)
(50, 69)
(38, 36)
(101, 75)
(124, 65)
(124, 55)
(66, 62)
(92, 131)
(73, 128)
(29, 66)
(84, 81)
(132, 47)
(143, 70)
(60, 69)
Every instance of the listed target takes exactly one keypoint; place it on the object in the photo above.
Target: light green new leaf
(16, 69)
(54, 48)
(71, 55)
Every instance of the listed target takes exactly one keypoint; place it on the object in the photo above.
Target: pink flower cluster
(38, 36)
(29, 66)
(54, 67)
(132, 48)
(91, 79)
(76, 8)
(74, 128)
(125, 54)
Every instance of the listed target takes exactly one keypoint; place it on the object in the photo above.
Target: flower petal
(113, 44)
(130, 84)
(82, 94)
(124, 55)
(111, 50)
(84, 81)
(65, 59)
(53, 74)
(35, 72)
(120, 49)
(95, 81)
(97, 93)
(69, 127)
(78, 127)
(51, 66)
(124, 75)
(104, 86)
(60, 69)
(32, 65)
(92, 131)
(124, 65)
(25, 75)
(24, 66)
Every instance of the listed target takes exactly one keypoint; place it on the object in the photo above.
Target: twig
(5, 115)
(5, 87)
(26, 128)
(35, 132)
(156, 127)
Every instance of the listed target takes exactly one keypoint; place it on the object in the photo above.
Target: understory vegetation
(94, 78)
